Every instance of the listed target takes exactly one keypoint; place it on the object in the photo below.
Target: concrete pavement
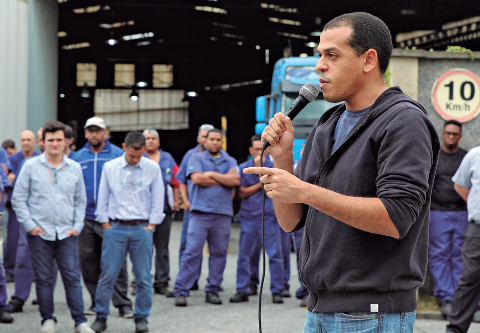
(198, 316)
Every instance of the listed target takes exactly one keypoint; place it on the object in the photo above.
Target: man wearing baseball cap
(97, 151)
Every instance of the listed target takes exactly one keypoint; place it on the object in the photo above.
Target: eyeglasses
(455, 135)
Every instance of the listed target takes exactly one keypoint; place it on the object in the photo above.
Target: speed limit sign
(456, 95)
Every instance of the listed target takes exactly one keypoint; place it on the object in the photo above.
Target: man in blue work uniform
(251, 229)
(161, 236)
(213, 174)
(27, 141)
(186, 187)
(23, 273)
(96, 152)
(5, 316)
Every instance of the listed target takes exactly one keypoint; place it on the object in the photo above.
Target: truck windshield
(311, 112)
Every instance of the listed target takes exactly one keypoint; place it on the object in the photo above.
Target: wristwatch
(150, 228)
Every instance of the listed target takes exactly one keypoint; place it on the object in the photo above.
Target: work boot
(16, 305)
(180, 300)
(213, 298)
(253, 290)
(286, 293)
(239, 297)
(164, 291)
(277, 298)
(5, 317)
(446, 307)
(99, 325)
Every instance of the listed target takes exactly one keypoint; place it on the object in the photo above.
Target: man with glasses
(129, 207)
(96, 152)
(448, 219)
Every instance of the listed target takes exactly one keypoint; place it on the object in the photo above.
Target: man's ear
(371, 60)
(124, 147)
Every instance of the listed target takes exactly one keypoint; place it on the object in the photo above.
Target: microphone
(307, 94)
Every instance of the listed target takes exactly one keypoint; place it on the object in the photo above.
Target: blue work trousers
(3, 292)
(65, 252)
(250, 235)
(447, 231)
(117, 241)
(10, 247)
(364, 322)
(215, 229)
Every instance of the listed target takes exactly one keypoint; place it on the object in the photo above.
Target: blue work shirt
(130, 192)
(167, 165)
(16, 159)
(53, 200)
(212, 199)
(181, 175)
(4, 158)
(92, 166)
(251, 207)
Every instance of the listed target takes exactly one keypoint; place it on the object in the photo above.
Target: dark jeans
(3, 292)
(90, 254)
(467, 294)
(11, 244)
(161, 237)
(65, 252)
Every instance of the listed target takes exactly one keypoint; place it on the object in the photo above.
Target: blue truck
(289, 75)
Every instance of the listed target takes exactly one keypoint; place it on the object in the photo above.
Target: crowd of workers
(66, 210)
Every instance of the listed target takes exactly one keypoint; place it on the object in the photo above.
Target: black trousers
(467, 294)
(90, 255)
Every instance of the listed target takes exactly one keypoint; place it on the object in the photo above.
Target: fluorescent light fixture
(142, 84)
(116, 25)
(62, 34)
(192, 94)
(229, 26)
(233, 36)
(315, 33)
(277, 8)
(211, 9)
(112, 41)
(76, 46)
(286, 34)
(144, 43)
(408, 12)
(91, 9)
(138, 36)
(284, 21)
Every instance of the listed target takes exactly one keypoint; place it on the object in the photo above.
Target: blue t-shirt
(251, 207)
(16, 159)
(347, 121)
(212, 199)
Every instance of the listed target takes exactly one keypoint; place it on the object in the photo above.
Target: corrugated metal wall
(13, 68)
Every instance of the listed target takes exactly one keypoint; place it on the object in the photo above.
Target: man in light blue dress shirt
(130, 206)
(49, 200)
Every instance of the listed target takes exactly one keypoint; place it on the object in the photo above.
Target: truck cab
(289, 75)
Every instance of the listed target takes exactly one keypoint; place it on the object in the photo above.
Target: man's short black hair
(215, 130)
(53, 126)
(9, 143)
(136, 140)
(68, 132)
(255, 137)
(368, 32)
(453, 122)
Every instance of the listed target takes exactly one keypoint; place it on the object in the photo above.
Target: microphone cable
(263, 249)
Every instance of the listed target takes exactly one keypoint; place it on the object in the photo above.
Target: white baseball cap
(95, 121)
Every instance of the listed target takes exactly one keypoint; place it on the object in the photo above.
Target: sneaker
(48, 326)
(90, 311)
(83, 328)
(446, 307)
(140, 325)
(303, 303)
(253, 290)
(213, 298)
(5, 317)
(164, 291)
(277, 298)
(99, 325)
(180, 300)
(239, 297)
(16, 305)
(125, 311)
(286, 293)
